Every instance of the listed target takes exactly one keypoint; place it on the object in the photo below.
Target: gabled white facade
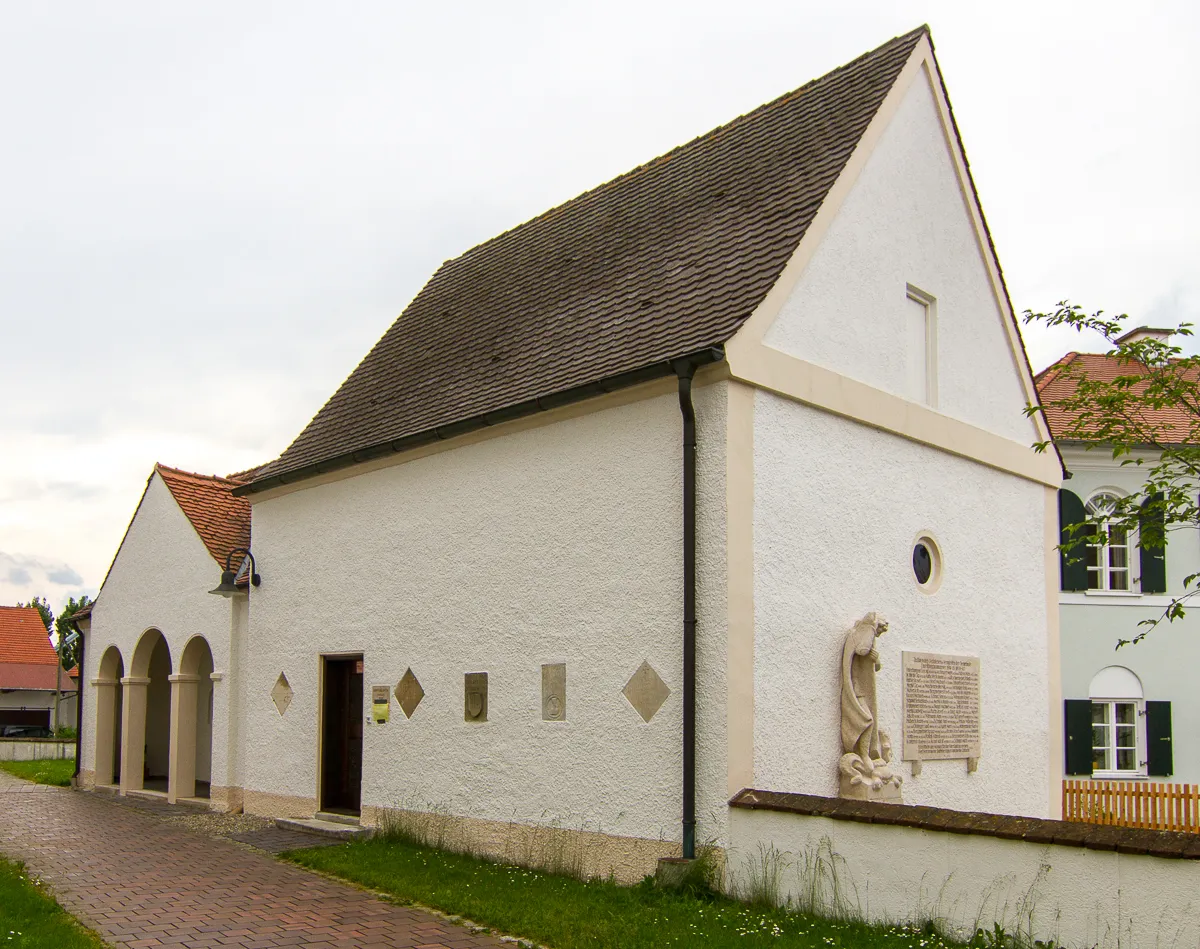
(888, 408)
(151, 621)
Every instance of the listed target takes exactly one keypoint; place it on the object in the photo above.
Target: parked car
(25, 731)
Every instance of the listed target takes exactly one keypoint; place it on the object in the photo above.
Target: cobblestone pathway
(139, 880)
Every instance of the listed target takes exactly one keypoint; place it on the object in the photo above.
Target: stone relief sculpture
(865, 767)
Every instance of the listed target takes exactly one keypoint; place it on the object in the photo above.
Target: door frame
(322, 659)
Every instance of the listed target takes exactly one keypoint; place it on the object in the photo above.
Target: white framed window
(1108, 562)
(1118, 724)
(920, 346)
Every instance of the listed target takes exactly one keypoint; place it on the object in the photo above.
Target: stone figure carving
(865, 766)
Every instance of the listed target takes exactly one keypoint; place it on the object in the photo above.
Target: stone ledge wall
(35, 749)
(1033, 830)
(1082, 886)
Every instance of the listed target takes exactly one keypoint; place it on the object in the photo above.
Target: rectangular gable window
(920, 339)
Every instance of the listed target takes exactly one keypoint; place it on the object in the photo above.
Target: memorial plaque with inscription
(941, 701)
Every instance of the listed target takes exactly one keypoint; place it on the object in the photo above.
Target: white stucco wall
(838, 507)
(160, 579)
(904, 221)
(1081, 899)
(561, 543)
(1092, 623)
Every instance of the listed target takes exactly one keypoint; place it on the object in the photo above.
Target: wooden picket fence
(1133, 804)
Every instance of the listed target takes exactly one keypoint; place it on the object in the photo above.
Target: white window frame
(1139, 739)
(1104, 570)
(927, 300)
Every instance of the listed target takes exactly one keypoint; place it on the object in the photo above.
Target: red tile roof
(27, 658)
(24, 637)
(221, 520)
(1170, 424)
(34, 676)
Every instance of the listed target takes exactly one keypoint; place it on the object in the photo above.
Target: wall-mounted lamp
(228, 587)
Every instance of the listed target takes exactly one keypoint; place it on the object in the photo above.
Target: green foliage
(30, 918)
(40, 604)
(65, 732)
(64, 626)
(568, 913)
(54, 771)
(1114, 415)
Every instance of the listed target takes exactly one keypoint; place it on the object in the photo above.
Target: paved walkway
(141, 881)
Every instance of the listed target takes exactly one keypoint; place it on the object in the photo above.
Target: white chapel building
(579, 542)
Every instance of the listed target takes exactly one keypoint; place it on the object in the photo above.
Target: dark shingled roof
(665, 261)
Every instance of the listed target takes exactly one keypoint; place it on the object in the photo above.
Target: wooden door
(342, 735)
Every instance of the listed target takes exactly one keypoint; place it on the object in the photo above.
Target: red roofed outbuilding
(29, 674)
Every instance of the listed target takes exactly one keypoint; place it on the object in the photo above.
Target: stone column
(219, 781)
(106, 709)
(133, 732)
(181, 772)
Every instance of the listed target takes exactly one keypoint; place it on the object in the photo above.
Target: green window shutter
(1079, 736)
(1160, 761)
(1073, 574)
(1154, 559)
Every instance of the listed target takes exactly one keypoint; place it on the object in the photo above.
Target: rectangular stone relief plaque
(381, 703)
(554, 692)
(475, 697)
(941, 700)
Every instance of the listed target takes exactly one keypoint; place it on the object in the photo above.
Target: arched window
(1118, 736)
(1107, 562)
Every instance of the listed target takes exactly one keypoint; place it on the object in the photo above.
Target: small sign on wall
(381, 703)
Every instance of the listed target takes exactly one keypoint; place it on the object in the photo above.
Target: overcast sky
(210, 211)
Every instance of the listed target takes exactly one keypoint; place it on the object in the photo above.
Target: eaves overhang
(624, 380)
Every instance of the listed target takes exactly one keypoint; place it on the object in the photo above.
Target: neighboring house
(30, 676)
(1133, 712)
(156, 715)
(750, 391)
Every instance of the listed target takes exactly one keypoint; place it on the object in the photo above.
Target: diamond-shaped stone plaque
(409, 693)
(281, 694)
(645, 691)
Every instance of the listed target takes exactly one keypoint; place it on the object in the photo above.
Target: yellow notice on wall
(381, 703)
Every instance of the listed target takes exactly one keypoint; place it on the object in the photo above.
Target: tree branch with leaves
(1146, 412)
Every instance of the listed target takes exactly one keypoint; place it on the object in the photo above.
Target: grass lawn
(31, 919)
(566, 913)
(56, 771)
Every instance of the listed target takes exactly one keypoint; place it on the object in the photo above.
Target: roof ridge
(711, 134)
(159, 466)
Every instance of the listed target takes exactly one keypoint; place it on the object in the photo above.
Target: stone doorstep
(323, 828)
(196, 803)
(333, 818)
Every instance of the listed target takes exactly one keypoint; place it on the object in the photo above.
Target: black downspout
(79, 707)
(685, 372)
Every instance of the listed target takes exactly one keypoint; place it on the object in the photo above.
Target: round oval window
(922, 563)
